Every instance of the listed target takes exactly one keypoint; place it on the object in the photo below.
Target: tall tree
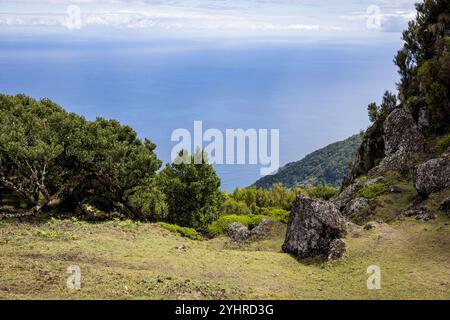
(424, 64)
(192, 191)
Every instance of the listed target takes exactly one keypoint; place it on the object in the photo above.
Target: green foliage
(182, 231)
(192, 191)
(325, 166)
(424, 64)
(276, 214)
(388, 104)
(443, 144)
(321, 192)
(53, 159)
(278, 196)
(231, 206)
(220, 226)
(374, 190)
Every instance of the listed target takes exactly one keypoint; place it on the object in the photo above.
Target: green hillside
(328, 165)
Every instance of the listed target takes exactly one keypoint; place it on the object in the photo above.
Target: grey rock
(356, 205)
(423, 120)
(265, 228)
(411, 213)
(445, 206)
(426, 216)
(401, 133)
(346, 196)
(368, 227)
(404, 144)
(395, 189)
(337, 249)
(432, 176)
(238, 232)
(313, 227)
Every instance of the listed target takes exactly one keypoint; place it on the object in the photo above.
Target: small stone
(445, 206)
(426, 216)
(368, 227)
(395, 189)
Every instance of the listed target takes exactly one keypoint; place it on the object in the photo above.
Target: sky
(308, 68)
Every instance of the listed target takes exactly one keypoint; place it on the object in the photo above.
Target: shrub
(276, 214)
(322, 191)
(232, 206)
(220, 226)
(443, 144)
(374, 191)
(182, 231)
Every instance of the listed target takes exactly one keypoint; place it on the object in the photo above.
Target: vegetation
(192, 190)
(443, 144)
(374, 190)
(220, 226)
(182, 231)
(325, 166)
(424, 65)
(127, 260)
(322, 191)
(380, 113)
(51, 159)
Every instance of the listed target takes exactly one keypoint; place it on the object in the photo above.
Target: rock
(395, 189)
(356, 205)
(404, 144)
(432, 176)
(238, 232)
(426, 216)
(411, 213)
(265, 228)
(401, 134)
(313, 227)
(368, 227)
(346, 196)
(337, 249)
(445, 206)
(423, 119)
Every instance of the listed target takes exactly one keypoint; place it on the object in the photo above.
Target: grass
(127, 260)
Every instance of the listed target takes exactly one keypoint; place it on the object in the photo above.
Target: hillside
(132, 260)
(328, 165)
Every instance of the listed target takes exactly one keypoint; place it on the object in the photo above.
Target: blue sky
(308, 68)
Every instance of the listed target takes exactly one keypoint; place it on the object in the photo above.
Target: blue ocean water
(314, 93)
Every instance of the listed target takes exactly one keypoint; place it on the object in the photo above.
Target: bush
(220, 226)
(322, 191)
(182, 231)
(276, 214)
(443, 144)
(232, 206)
(373, 191)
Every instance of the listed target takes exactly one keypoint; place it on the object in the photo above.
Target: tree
(192, 191)
(54, 159)
(381, 112)
(424, 64)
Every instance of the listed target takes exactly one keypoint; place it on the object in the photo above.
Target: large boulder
(432, 176)
(401, 134)
(238, 232)
(356, 205)
(313, 228)
(404, 144)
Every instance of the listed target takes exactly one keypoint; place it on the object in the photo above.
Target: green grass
(443, 144)
(127, 260)
(182, 231)
(374, 190)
